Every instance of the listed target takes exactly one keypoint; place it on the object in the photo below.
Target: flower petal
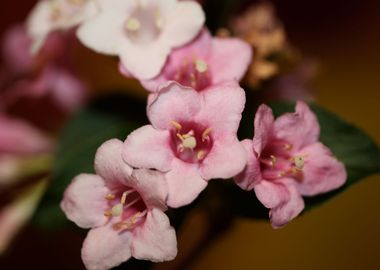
(184, 183)
(173, 103)
(282, 197)
(322, 172)
(152, 187)
(252, 173)
(18, 137)
(225, 63)
(148, 148)
(104, 32)
(84, 201)
(105, 248)
(226, 159)
(183, 23)
(222, 106)
(155, 240)
(109, 163)
(264, 120)
(300, 128)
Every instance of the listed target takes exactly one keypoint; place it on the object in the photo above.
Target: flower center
(191, 142)
(144, 24)
(128, 207)
(193, 73)
(277, 161)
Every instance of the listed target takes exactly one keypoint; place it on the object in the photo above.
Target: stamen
(205, 134)
(273, 160)
(176, 124)
(288, 147)
(133, 24)
(108, 213)
(200, 66)
(201, 154)
(110, 197)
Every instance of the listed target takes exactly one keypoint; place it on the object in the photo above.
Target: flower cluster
(194, 108)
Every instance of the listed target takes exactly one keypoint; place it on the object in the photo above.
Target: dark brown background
(344, 234)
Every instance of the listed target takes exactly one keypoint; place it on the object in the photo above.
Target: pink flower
(56, 15)
(286, 161)
(192, 138)
(142, 32)
(204, 62)
(124, 207)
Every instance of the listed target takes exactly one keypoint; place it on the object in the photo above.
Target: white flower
(142, 32)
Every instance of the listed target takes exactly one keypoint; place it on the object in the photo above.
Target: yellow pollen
(299, 161)
(176, 124)
(200, 66)
(201, 154)
(273, 160)
(110, 197)
(108, 213)
(133, 24)
(288, 147)
(205, 134)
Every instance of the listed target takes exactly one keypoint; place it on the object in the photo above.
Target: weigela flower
(54, 15)
(286, 161)
(204, 62)
(142, 32)
(124, 207)
(192, 138)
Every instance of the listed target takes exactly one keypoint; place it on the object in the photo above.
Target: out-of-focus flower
(192, 138)
(54, 15)
(124, 207)
(14, 215)
(260, 27)
(142, 32)
(286, 161)
(204, 63)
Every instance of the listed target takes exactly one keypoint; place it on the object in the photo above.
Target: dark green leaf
(110, 117)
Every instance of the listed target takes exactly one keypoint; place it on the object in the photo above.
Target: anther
(189, 142)
(205, 134)
(273, 160)
(110, 197)
(288, 147)
(176, 125)
(201, 154)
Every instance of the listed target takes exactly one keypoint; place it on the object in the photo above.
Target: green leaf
(109, 117)
(351, 145)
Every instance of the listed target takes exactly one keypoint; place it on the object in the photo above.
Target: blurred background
(343, 37)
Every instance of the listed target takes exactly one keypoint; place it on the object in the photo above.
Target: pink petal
(229, 59)
(183, 23)
(200, 48)
(173, 103)
(226, 159)
(322, 172)
(18, 137)
(300, 128)
(282, 197)
(155, 240)
(264, 120)
(84, 201)
(109, 163)
(252, 173)
(148, 148)
(222, 106)
(105, 248)
(152, 187)
(184, 183)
